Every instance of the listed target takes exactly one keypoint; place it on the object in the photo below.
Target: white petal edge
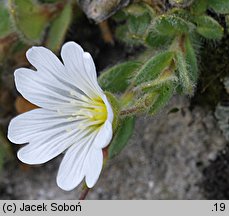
(72, 168)
(84, 77)
(94, 163)
(110, 114)
(27, 126)
(43, 91)
(104, 136)
(45, 61)
(43, 150)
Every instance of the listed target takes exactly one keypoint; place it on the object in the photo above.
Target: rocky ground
(179, 155)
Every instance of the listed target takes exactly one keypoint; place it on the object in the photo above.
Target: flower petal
(104, 136)
(35, 123)
(45, 61)
(110, 114)
(46, 148)
(40, 90)
(72, 169)
(51, 85)
(81, 69)
(94, 163)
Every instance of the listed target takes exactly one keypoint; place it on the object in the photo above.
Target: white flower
(75, 115)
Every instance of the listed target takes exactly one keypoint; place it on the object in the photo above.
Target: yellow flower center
(97, 111)
(91, 112)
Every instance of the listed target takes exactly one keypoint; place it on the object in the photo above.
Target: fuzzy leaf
(199, 7)
(209, 27)
(122, 136)
(183, 73)
(227, 23)
(171, 25)
(59, 28)
(161, 98)
(191, 60)
(28, 20)
(154, 66)
(219, 6)
(4, 22)
(156, 40)
(139, 9)
(138, 25)
(116, 79)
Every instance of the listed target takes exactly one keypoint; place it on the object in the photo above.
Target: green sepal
(160, 98)
(116, 79)
(5, 25)
(153, 67)
(115, 105)
(121, 137)
(209, 27)
(171, 25)
(219, 6)
(58, 28)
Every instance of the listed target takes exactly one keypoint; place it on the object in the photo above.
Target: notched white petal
(72, 168)
(75, 59)
(44, 60)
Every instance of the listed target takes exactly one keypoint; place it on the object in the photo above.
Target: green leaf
(227, 23)
(120, 16)
(219, 6)
(28, 20)
(199, 7)
(156, 40)
(122, 136)
(183, 73)
(209, 27)
(116, 79)
(171, 25)
(138, 9)
(191, 60)
(59, 28)
(138, 25)
(4, 21)
(161, 98)
(154, 67)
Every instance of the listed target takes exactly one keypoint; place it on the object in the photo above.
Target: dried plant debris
(100, 10)
(222, 113)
